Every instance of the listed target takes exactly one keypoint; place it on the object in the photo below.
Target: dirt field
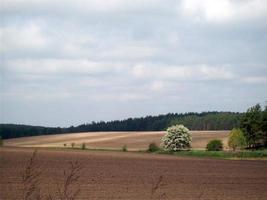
(118, 175)
(113, 140)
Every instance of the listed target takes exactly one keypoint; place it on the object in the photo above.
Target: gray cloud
(69, 62)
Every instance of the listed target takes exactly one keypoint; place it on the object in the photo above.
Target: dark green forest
(194, 121)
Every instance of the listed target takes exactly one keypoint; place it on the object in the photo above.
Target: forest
(194, 121)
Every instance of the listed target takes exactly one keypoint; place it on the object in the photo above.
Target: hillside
(194, 121)
(135, 141)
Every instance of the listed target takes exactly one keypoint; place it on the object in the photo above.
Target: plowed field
(137, 176)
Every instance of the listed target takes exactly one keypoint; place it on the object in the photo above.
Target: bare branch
(71, 177)
(156, 185)
(31, 179)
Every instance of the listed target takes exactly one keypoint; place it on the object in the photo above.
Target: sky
(69, 62)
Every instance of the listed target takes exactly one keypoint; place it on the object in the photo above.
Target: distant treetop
(194, 121)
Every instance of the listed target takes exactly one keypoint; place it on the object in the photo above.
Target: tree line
(252, 133)
(194, 121)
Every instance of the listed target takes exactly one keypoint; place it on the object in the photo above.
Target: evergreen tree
(252, 126)
(264, 125)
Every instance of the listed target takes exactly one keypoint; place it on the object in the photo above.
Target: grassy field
(244, 154)
(135, 141)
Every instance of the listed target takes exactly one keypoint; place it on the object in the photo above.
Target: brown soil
(113, 140)
(118, 175)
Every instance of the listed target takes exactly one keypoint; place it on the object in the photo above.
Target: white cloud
(58, 66)
(182, 73)
(224, 10)
(22, 38)
(255, 80)
(103, 54)
(212, 10)
(75, 44)
(140, 71)
(129, 51)
(157, 86)
(215, 73)
(78, 6)
(131, 97)
(118, 97)
(161, 72)
(177, 72)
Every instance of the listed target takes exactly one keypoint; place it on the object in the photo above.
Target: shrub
(177, 138)
(64, 144)
(153, 147)
(124, 148)
(215, 145)
(72, 145)
(83, 146)
(236, 139)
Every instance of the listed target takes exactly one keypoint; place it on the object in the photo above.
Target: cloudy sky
(69, 62)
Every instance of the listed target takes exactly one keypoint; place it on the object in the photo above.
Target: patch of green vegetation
(83, 146)
(124, 148)
(215, 145)
(220, 154)
(153, 147)
(72, 144)
(244, 154)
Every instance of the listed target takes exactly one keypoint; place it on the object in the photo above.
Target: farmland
(129, 175)
(113, 140)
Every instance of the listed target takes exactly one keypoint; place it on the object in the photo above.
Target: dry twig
(71, 177)
(31, 179)
(156, 185)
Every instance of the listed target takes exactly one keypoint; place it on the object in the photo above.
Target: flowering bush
(177, 138)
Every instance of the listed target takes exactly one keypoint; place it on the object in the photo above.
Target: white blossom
(177, 138)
